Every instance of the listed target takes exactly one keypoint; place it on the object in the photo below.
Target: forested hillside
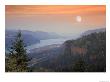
(86, 54)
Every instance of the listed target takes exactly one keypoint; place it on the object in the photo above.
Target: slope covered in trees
(86, 54)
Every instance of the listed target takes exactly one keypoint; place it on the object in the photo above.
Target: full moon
(78, 18)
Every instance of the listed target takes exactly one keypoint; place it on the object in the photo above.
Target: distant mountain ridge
(92, 31)
(29, 37)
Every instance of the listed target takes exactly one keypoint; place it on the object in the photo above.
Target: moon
(78, 18)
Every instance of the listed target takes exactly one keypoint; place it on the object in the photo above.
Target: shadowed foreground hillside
(86, 54)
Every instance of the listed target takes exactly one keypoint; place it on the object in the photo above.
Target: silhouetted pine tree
(17, 58)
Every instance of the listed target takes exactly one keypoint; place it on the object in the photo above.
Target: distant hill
(29, 37)
(93, 31)
(43, 35)
(10, 37)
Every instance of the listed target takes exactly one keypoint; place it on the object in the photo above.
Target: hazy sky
(69, 19)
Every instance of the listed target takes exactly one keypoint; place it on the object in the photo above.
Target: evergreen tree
(17, 60)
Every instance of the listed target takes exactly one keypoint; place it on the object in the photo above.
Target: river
(47, 42)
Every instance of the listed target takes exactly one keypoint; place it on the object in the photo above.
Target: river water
(47, 42)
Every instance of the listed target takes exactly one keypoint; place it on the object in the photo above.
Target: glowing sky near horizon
(61, 19)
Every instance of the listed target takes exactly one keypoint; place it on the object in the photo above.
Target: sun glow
(78, 18)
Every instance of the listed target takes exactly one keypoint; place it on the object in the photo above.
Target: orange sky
(55, 18)
(55, 9)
